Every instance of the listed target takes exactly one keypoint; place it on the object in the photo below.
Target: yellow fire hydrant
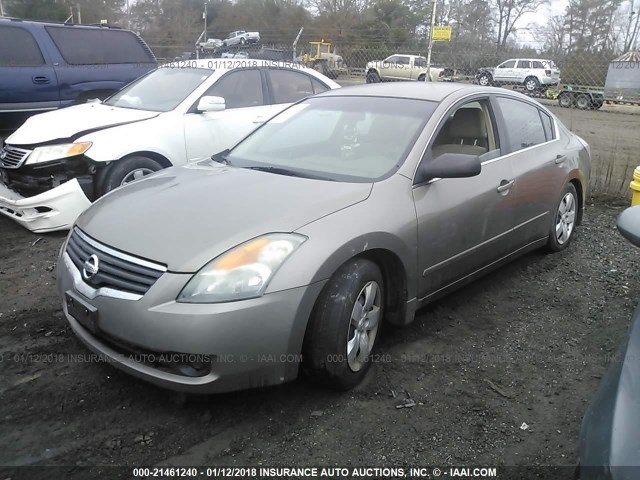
(635, 187)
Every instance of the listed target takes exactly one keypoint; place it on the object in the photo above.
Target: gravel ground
(528, 344)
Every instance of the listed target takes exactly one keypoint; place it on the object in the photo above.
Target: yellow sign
(441, 34)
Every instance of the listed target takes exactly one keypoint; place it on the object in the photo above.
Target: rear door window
(524, 64)
(93, 46)
(239, 88)
(290, 86)
(18, 48)
(523, 124)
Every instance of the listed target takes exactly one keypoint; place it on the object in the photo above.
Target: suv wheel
(531, 84)
(484, 79)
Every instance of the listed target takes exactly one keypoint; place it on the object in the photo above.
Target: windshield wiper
(285, 171)
(221, 157)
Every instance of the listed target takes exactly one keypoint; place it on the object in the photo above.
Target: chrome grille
(13, 157)
(115, 270)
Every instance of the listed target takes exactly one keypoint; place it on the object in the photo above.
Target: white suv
(533, 73)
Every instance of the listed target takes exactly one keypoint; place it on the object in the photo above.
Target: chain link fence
(601, 91)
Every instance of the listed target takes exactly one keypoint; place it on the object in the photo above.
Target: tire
(338, 328)
(564, 218)
(127, 170)
(484, 80)
(565, 100)
(422, 77)
(373, 77)
(583, 102)
(531, 84)
(242, 41)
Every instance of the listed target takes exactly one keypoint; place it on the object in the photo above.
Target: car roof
(233, 63)
(431, 91)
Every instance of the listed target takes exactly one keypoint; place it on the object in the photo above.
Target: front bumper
(55, 209)
(248, 343)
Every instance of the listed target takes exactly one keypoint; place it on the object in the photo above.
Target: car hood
(68, 124)
(184, 217)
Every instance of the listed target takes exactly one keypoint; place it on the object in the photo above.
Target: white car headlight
(49, 153)
(242, 272)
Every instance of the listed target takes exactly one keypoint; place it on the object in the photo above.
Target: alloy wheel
(136, 174)
(565, 218)
(363, 327)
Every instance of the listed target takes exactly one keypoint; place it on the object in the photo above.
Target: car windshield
(351, 139)
(160, 91)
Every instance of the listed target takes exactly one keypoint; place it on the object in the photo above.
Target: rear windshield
(93, 46)
(18, 48)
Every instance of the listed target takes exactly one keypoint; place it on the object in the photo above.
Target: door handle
(560, 159)
(40, 79)
(258, 120)
(505, 186)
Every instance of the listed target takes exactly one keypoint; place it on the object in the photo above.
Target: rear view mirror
(629, 225)
(211, 104)
(451, 165)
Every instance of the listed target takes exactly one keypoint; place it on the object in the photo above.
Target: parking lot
(500, 372)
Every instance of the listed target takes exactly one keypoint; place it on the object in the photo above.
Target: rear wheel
(583, 102)
(422, 77)
(565, 100)
(344, 325)
(128, 170)
(564, 221)
(242, 41)
(373, 77)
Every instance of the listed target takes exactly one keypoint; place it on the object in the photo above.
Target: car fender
(162, 135)
(325, 251)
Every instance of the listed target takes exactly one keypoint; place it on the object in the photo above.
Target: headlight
(242, 272)
(56, 152)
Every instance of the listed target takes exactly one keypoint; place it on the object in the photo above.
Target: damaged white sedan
(57, 163)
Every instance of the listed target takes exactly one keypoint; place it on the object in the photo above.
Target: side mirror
(451, 165)
(629, 225)
(211, 104)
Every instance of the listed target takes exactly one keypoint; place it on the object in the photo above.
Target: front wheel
(242, 41)
(373, 77)
(484, 80)
(564, 221)
(128, 170)
(344, 325)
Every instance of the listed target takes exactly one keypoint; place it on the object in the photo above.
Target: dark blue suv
(44, 66)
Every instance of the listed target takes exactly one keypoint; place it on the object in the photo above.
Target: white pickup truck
(400, 67)
(240, 37)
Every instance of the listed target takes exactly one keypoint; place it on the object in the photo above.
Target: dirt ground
(527, 345)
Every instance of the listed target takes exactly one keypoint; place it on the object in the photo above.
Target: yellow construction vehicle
(321, 58)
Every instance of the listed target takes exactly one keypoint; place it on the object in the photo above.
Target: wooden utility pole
(1, 9)
(428, 77)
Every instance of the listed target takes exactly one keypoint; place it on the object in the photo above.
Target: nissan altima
(348, 210)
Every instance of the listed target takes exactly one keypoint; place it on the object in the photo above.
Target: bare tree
(509, 12)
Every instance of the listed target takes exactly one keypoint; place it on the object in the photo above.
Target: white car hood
(73, 122)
